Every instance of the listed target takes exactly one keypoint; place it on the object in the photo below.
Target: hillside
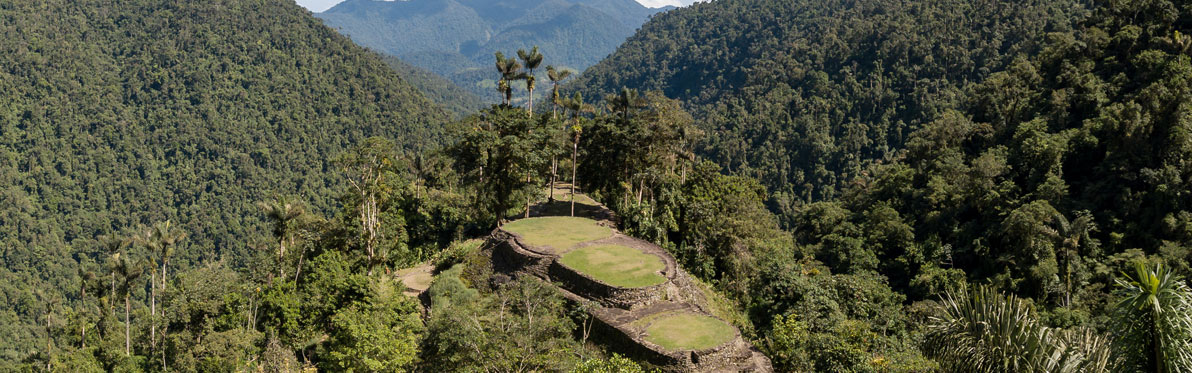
(457, 38)
(437, 89)
(804, 94)
(115, 114)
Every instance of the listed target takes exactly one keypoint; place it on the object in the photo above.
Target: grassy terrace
(558, 232)
(616, 265)
(688, 331)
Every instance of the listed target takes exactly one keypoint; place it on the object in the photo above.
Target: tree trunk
(299, 270)
(152, 312)
(554, 165)
(83, 333)
(127, 330)
(574, 152)
(528, 195)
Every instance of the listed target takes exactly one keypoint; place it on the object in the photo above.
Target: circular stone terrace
(591, 249)
(685, 331)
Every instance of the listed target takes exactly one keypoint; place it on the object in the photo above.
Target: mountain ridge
(457, 38)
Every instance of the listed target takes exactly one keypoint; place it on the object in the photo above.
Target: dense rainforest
(1027, 171)
(115, 114)
(803, 95)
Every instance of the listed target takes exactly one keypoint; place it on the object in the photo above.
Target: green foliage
(613, 364)
(500, 153)
(122, 113)
(519, 326)
(1153, 320)
(984, 331)
(379, 334)
(804, 95)
(437, 89)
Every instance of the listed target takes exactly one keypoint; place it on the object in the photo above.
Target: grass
(558, 232)
(616, 265)
(688, 331)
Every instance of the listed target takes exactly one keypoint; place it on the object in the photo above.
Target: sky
(321, 5)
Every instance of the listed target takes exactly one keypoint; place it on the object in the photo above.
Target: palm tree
(625, 102)
(556, 76)
(160, 239)
(985, 331)
(86, 278)
(531, 60)
(113, 245)
(1153, 321)
(1071, 234)
(577, 106)
(510, 71)
(282, 212)
(129, 272)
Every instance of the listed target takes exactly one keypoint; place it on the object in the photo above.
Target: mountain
(457, 38)
(117, 113)
(437, 89)
(804, 94)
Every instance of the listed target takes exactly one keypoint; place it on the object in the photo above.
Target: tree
(577, 107)
(366, 167)
(128, 271)
(282, 213)
(161, 239)
(985, 331)
(86, 278)
(1071, 234)
(624, 103)
(556, 77)
(506, 146)
(510, 71)
(114, 245)
(380, 334)
(530, 60)
(1153, 321)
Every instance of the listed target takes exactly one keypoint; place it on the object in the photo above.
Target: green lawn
(616, 265)
(558, 232)
(688, 331)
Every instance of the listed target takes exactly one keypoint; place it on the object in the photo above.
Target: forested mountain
(436, 88)
(1033, 149)
(853, 186)
(457, 38)
(804, 94)
(119, 113)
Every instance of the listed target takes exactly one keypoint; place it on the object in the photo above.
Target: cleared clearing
(688, 331)
(616, 265)
(558, 232)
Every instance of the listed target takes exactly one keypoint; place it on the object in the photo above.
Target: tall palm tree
(1071, 234)
(1153, 321)
(282, 214)
(531, 60)
(114, 245)
(577, 106)
(510, 71)
(625, 102)
(129, 271)
(985, 331)
(161, 240)
(556, 76)
(86, 278)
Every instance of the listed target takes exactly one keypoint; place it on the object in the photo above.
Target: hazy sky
(321, 5)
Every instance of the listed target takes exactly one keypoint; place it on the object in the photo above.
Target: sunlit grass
(617, 265)
(558, 232)
(688, 331)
